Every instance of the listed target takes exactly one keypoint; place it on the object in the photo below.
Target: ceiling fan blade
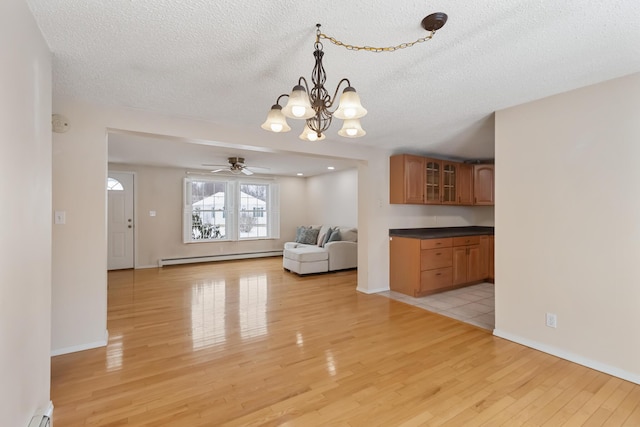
(246, 171)
(217, 170)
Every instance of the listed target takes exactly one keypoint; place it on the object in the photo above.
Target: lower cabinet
(491, 260)
(422, 267)
(467, 260)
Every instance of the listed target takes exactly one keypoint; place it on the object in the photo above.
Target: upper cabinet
(483, 185)
(425, 180)
(433, 176)
(407, 180)
(465, 184)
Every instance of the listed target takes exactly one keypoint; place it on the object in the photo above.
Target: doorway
(120, 220)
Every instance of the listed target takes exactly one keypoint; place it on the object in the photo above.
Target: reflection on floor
(471, 304)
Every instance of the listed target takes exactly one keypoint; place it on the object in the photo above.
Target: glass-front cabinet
(433, 181)
(449, 183)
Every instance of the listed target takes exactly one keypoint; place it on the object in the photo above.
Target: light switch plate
(60, 217)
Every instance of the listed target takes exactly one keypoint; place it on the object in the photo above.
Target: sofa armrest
(342, 255)
(290, 245)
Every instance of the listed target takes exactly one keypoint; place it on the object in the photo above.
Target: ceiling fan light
(310, 135)
(350, 106)
(276, 121)
(351, 128)
(298, 106)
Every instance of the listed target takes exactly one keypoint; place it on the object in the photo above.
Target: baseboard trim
(82, 347)
(571, 357)
(210, 258)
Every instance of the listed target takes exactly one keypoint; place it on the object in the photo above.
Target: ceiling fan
(236, 166)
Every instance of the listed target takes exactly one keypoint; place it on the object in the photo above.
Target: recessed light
(331, 168)
(300, 174)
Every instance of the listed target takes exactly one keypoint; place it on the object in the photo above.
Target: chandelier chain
(375, 49)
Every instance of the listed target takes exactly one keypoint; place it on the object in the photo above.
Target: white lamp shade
(310, 135)
(298, 106)
(349, 106)
(276, 121)
(352, 129)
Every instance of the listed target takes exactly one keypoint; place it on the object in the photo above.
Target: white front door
(120, 224)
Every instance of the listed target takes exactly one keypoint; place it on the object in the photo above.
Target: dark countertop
(440, 232)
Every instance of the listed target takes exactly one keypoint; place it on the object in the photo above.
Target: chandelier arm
(306, 85)
(278, 100)
(335, 95)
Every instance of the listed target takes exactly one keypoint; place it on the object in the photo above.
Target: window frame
(232, 210)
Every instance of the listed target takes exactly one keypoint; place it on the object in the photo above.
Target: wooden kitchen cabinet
(433, 181)
(466, 260)
(491, 259)
(441, 181)
(483, 185)
(449, 183)
(426, 180)
(464, 188)
(421, 267)
(484, 257)
(407, 179)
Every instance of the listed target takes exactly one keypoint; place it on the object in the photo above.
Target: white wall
(80, 171)
(160, 189)
(25, 223)
(332, 198)
(568, 225)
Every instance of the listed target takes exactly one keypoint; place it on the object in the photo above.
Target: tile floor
(472, 304)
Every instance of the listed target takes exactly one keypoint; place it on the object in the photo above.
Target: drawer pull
(438, 274)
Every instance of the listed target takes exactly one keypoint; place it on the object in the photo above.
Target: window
(114, 184)
(230, 210)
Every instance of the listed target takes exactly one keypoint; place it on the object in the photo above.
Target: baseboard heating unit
(210, 258)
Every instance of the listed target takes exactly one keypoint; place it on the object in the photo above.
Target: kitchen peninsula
(424, 261)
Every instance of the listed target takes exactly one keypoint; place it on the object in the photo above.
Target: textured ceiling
(227, 61)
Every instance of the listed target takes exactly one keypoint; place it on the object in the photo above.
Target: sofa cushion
(308, 236)
(306, 254)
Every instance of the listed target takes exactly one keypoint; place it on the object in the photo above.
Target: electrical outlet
(552, 320)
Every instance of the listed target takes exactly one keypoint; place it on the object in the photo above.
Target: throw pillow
(299, 231)
(349, 234)
(324, 229)
(309, 236)
(326, 237)
(335, 236)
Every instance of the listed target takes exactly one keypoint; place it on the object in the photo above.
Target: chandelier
(314, 104)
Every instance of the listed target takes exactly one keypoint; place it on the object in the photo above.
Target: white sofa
(320, 256)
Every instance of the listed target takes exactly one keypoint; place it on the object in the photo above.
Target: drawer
(466, 240)
(436, 243)
(431, 280)
(436, 258)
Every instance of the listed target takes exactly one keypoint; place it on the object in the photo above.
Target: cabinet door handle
(439, 253)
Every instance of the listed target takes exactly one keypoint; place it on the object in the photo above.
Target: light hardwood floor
(243, 343)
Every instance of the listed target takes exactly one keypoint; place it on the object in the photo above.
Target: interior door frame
(135, 213)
